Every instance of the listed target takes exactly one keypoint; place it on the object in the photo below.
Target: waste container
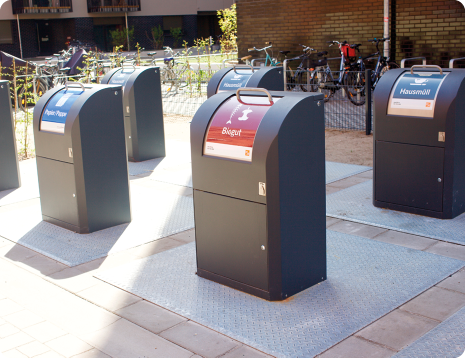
(9, 169)
(419, 146)
(258, 172)
(81, 157)
(143, 110)
(239, 76)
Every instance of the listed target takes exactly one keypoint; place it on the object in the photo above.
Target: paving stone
(124, 339)
(108, 296)
(455, 283)
(13, 354)
(68, 345)
(4, 242)
(449, 250)
(8, 307)
(74, 280)
(44, 332)
(149, 316)
(397, 329)
(23, 319)
(17, 253)
(331, 221)
(354, 347)
(14, 341)
(154, 247)
(436, 303)
(245, 352)
(7, 329)
(199, 339)
(407, 240)
(357, 229)
(347, 182)
(33, 349)
(185, 236)
(106, 263)
(50, 354)
(331, 189)
(42, 265)
(93, 353)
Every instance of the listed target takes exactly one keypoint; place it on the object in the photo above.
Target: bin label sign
(232, 130)
(415, 95)
(120, 78)
(234, 80)
(54, 116)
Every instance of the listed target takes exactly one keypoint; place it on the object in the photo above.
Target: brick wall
(29, 39)
(435, 29)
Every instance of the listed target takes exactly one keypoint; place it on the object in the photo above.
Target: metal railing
(402, 63)
(41, 7)
(113, 5)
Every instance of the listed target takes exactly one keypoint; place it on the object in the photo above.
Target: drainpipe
(19, 35)
(386, 27)
(127, 28)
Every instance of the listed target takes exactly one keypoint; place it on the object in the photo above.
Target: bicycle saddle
(65, 69)
(48, 58)
(355, 45)
(246, 58)
(151, 53)
(284, 52)
(56, 55)
(322, 53)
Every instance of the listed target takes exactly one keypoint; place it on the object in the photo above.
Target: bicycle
(383, 64)
(174, 71)
(273, 61)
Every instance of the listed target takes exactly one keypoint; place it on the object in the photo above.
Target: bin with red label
(239, 76)
(81, 157)
(258, 172)
(143, 110)
(419, 146)
(9, 169)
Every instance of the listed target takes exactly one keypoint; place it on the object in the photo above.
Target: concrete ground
(48, 310)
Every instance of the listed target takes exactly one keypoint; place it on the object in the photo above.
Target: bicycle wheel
(307, 83)
(324, 84)
(354, 85)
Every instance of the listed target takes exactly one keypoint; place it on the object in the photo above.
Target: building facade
(47, 25)
(433, 29)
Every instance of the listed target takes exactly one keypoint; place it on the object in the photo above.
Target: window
(6, 36)
(171, 22)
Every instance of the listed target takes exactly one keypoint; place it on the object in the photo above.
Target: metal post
(386, 27)
(19, 35)
(285, 74)
(368, 102)
(127, 28)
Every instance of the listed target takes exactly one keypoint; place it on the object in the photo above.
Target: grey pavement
(50, 310)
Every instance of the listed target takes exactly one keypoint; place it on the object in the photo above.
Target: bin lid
(232, 130)
(55, 113)
(121, 77)
(414, 95)
(235, 79)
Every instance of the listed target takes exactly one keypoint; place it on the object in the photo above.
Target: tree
(228, 25)
(176, 32)
(157, 37)
(120, 37)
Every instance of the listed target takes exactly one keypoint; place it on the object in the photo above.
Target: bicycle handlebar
(259, 49)
(379, 40)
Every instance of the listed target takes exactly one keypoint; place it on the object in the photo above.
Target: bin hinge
(442, 136)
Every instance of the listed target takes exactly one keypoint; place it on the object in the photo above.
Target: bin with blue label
(419, 146)
(143, 110)
(258, 173)
(239, 76)
(9, 169)
(81, 157)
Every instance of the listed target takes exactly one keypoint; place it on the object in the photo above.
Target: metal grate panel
(366, 280)
(355, 204)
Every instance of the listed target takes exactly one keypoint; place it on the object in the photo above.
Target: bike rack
(402, 63)
(285, 73)
(451, 62)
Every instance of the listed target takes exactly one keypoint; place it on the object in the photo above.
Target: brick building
(46, 25)
(434, 29)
